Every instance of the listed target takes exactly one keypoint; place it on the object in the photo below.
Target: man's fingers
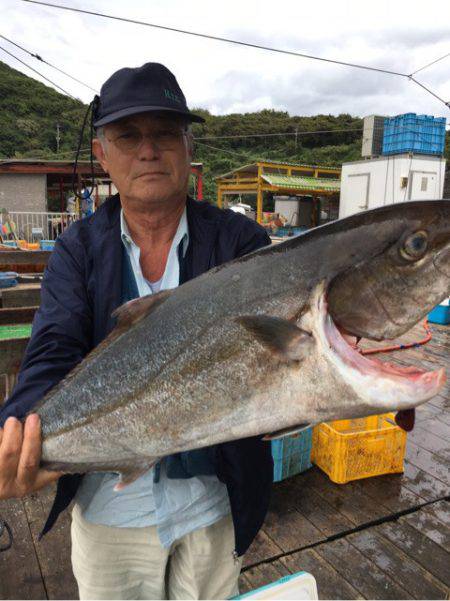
(44, 477)
(31, 451)
(10, 447)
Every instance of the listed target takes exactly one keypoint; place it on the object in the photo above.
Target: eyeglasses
(164, 139)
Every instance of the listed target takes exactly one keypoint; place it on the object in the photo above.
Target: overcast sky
(396, 35)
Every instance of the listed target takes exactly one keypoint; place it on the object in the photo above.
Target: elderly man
(180, 530)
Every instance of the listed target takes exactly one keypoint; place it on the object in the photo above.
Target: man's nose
(148, 148)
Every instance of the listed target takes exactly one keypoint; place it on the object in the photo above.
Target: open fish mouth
(375, 380)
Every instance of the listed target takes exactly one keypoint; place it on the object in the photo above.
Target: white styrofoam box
(296, 586)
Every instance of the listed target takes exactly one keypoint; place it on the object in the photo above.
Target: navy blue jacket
(81, 288)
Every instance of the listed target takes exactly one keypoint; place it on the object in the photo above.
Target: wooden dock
(24, 261)
(380, 538)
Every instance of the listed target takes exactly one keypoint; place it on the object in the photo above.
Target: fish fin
(138, 308)
(279, 335)
(128, 476)
(287, 432)
(131, 313)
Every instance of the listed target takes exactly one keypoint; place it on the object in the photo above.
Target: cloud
(228, 78)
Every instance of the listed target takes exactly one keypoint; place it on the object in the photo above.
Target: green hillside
(30, 112)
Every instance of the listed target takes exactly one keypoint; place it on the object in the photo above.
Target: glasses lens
(128, 140)
(166, 139)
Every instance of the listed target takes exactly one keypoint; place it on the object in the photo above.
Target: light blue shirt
(175, 506)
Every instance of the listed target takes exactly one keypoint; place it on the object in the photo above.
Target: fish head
(405, 273)
(383, 270)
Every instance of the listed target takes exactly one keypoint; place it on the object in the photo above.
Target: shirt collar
(181, 235)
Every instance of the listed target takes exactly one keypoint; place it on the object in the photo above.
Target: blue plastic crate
(422, 134)
(8, 279)
(440, 314)
(290, 231)
(291, 455)
(47, 244)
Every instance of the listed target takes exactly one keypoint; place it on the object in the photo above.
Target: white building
(371, 183)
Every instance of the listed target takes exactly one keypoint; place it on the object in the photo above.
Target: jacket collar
(202, 229)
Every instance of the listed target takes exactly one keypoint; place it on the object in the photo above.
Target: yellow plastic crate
(351, 449)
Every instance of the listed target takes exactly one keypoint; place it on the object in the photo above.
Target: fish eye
(415, 246)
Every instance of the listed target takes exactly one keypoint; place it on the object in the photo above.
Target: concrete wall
(387, 180)
(23, 192)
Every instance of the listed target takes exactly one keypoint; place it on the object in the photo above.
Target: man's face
(147, 156)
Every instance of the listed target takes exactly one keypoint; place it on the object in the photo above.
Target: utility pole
(58, 137)
(296, 134)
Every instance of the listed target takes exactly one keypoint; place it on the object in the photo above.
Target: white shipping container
(368, 184)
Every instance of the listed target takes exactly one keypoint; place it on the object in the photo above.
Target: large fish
(255, 346)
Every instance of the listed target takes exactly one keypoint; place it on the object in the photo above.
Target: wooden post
(61, 195)
(219, 197)
(259, 198)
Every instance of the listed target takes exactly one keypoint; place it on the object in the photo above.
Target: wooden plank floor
(380, 538)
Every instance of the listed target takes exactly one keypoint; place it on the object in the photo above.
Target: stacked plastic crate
(421, 134)
(291, 455)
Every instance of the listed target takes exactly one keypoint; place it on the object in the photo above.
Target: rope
(401, 347)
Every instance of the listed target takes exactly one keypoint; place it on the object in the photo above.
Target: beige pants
(130, 563)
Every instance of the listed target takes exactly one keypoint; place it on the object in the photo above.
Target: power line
(287, 133)
(429, 64)
(82, 151)
(297, 133)
(225, 150)
(40, 74)
(429, 91)
(212, 37)
(39, 58)
(232, 41)
(200, 139)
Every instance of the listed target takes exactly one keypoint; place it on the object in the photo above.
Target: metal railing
(35, 226)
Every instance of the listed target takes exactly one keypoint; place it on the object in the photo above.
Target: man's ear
(99, 153)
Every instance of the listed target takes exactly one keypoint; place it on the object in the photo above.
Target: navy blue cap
(151, 87)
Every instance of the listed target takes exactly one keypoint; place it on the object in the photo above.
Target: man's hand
(405, 419)
(20, 455)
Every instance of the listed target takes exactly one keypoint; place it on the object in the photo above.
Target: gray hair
(100, 135)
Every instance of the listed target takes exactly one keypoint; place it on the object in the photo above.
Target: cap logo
(172, 96)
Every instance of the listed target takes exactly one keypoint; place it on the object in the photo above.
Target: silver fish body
(252, 347)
